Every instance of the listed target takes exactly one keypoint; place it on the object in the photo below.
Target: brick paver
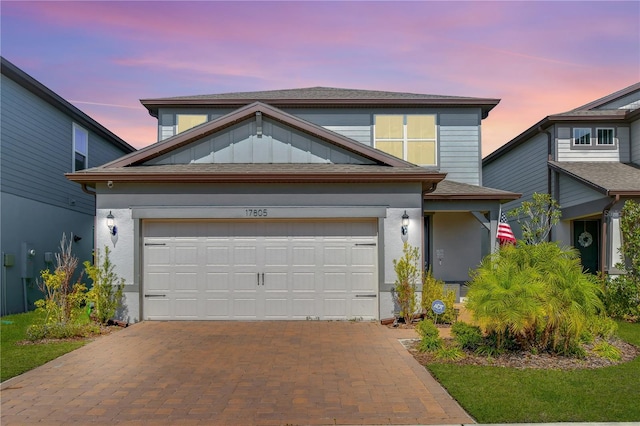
(234, 373)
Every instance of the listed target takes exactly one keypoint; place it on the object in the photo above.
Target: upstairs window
(605, 136)
(410, 137)
(581, 136)
(189, 121)
(80, 148)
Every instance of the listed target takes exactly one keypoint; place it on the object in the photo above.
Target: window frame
(405, 138)
(574, 139)
(613, 136)
(75, 129)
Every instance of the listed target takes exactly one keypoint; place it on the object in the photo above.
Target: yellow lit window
(188, 121)
(410, 137)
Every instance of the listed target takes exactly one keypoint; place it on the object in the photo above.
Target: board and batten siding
(278, 144)
(573, 193)
(37, 146)
(521, 170)
(566, 153)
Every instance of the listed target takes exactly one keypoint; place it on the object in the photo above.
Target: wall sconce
(404, 230)
(113, 229)
(111, 224)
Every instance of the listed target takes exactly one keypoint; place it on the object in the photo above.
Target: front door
(586, 238)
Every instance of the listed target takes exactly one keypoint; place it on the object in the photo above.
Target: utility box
(8, 260)
(27, 257)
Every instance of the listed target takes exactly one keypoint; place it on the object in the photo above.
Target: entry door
(586, 238)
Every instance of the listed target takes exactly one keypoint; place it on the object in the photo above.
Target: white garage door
(208, 270)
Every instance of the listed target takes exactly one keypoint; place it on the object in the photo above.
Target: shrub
(468, 336)
(106, 293)
(429, 336)
(536, 294)
(537, 217)
(433, 289)
(60, 331)
(608, 351)
(408, 273)
(63, 300)
(451, 353)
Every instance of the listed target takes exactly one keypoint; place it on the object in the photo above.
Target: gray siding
(37, 151)
(522, 170)
(573, 193)
(566, 153)
(278, 144)
(634, 141)
(460, 153)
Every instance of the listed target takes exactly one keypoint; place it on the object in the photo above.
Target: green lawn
(507, 395)
(15, 359)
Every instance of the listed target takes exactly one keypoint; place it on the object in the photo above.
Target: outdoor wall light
(405, 226)
(111, 224)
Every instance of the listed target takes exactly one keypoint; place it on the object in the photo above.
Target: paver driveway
(236, 373)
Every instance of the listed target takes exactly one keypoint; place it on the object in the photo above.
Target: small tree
(408, 274)
(623, 292)
(106, 292)
(62, 298)
(433, 289)
(537, 217)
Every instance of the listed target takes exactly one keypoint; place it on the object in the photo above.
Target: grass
(15, 358)
(507, 395)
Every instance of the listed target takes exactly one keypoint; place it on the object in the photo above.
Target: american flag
(505, 234)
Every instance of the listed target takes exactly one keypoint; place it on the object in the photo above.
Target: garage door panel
(186, 308)
(158, 255)
(218, 256)
(245, 255)
(261, 270)
(303, 281)
(159, 281)
(334, 281)
(336, 256)
(186, 281)
(244, 308)
(218, 281)
(304, 256)
(217, 308)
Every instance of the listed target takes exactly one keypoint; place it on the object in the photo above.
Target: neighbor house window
(188, 121)
(410, 137)
(80, 148)
(605, 136)
(581, 136)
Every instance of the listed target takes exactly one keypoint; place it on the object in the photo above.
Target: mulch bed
(523, 360)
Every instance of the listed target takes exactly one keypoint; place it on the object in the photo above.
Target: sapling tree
(537, 217)
(408, 274)
(106, 293)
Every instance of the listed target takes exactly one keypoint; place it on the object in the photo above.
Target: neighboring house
(289, 204)
(42, 137)
(588, 159)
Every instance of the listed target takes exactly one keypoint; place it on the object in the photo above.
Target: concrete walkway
(234, 373)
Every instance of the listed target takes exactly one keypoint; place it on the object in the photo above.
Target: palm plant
(536, 294)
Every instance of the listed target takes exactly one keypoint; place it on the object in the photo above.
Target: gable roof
(132, 168)
(320, 96)
(246, 112)
(609, 178)
(590, 112)
(40, 90)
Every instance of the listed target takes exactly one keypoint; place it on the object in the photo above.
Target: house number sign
(256, 213)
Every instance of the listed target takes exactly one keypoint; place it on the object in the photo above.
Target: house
(588, 159)
(293, 204)
(42, 137)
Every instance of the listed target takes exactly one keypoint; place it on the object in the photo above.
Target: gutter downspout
(549, 158)
(95, 211)
(603, 249)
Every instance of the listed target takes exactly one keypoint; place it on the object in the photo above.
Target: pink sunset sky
(539, 58)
